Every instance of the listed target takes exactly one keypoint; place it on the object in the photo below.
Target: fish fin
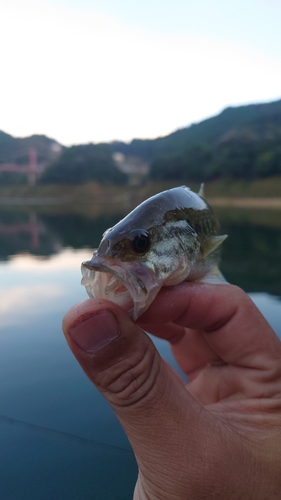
(201, 190)
(213, 277)
(211, 244)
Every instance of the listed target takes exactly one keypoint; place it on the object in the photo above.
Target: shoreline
(232, 202)
(261, 193)
(270, 203)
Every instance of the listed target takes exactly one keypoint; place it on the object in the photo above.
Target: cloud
(18, 303)
(67, 259)
(31, 286)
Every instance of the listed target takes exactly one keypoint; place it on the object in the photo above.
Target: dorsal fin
(201, 190)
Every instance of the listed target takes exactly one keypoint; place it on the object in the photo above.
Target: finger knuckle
(129, 381)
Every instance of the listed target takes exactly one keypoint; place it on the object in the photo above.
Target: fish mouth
(131, 285)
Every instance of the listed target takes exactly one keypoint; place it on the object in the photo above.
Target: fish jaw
(131, 285)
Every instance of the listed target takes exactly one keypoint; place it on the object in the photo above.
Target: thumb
(157, 413)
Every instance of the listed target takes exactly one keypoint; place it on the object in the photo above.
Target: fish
(170, 238)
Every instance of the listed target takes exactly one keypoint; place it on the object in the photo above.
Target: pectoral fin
(214, 277)
(211, 244)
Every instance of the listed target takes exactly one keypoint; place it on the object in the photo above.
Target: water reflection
(33, 286)
(251, 254)
(46, 234)
(251, 257)
(78, 231)
(25, 232)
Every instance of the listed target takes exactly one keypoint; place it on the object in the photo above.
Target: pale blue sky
(94, 70)
(252, 22)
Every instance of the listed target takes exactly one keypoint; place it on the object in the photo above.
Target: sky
(84, 71)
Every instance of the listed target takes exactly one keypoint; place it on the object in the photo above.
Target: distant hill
(16, 149)
(239, 143)
(242, 142)
(84, 163)
(256, 121)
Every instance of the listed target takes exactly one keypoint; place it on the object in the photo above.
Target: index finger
(229, 321)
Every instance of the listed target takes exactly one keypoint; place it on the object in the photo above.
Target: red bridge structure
(31, 169)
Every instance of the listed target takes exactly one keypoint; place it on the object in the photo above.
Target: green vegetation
(259, 121)
(234, 158)
(84, 163)
(239, 143)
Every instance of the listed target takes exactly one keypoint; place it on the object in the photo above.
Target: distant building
(133, 166)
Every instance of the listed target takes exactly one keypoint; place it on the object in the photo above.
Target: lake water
(58, 437)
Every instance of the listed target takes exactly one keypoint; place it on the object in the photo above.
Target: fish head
(137, 257)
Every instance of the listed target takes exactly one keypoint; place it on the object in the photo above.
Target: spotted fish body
(169, 238)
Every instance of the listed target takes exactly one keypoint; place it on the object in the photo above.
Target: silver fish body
(169, 238)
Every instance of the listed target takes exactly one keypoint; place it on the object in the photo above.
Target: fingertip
(93, 324)
(95, 331)
(77, 311)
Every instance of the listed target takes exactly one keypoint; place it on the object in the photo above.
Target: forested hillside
(84, 163)
(16, 149)
(242, 142)
(239, 143)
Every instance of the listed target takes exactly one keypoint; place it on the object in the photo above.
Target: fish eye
(139, 239)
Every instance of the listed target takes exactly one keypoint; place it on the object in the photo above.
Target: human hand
(219, 436)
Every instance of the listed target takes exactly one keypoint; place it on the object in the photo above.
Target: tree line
(237, 158)
(84, 163)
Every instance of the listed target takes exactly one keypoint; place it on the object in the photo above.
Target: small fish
(169, 238)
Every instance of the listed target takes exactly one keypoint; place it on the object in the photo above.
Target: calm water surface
(58, 437)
